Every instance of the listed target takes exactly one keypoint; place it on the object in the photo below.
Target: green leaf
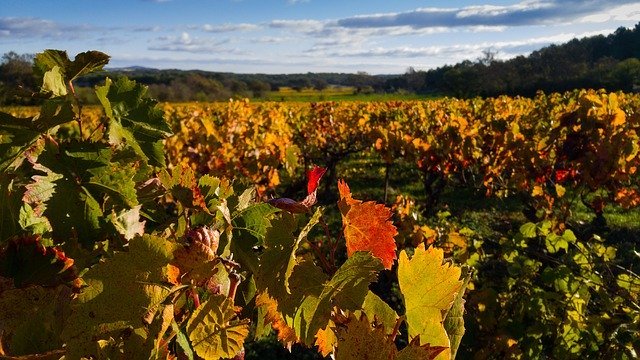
(429, 288)
(182, 341)
(135, 120)
(377, 309)
(32, 222)
(86, 179)
(528, 230)
(53, 82)
(254, 221)
(213, 330)
(41, 189)
(32, 319)
(246, 199)
(569, 236)
(347, 290)
(279, 257)
(214, 190)
(274, 265)
(10, 205)
(454, 320)
(119, 292)
(16, 136)
(49, 59)
(84, 63)
(555, 242)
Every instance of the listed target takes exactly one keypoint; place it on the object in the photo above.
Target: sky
(300, 36)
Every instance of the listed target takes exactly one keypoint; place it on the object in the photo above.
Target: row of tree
(611, 62)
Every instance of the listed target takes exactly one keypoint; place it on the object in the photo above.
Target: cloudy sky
(293, 36)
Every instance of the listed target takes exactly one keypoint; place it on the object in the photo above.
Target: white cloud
(229, 27)
(630, 12)
(520, 14)
(29, 27)
(465, 51)
(186, 43)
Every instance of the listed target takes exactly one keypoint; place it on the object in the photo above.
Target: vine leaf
(279, 258)
(415, 351)
(84, 63)
(86, 177)
(454, 320)
(53, 82)
(429, 288)
(10, 205)
(272, 315)
(120, 292)
(135, 120)
(306, 283)
(313, 178)
(213, 332)
(305, 314)
(298, 207)
(375, 308)
(127, 222)
(326, 339)
(358, 340)
(32, 319)
(347, 290)
(185, 188)
(367, 227)
(28, 262)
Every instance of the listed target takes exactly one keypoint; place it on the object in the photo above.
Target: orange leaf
(367, 227)
(326, 340)
(285, 333)
(628, 198)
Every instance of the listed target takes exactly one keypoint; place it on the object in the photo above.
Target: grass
(334, 93)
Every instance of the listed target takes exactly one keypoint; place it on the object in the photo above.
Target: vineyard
(484, 228)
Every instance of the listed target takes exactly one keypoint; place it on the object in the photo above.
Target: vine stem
(396, 328)
(332, 244)
(79, 105)
(323, 260)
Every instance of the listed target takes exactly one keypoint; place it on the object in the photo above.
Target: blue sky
(299, 36)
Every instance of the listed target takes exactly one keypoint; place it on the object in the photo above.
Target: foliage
(139, 260)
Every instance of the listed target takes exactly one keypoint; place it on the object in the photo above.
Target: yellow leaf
(429, 288)
(619, 118)
(537, 191)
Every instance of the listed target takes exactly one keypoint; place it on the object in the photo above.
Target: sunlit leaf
(367, 227)
(429, 288)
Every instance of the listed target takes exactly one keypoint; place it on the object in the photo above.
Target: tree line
(611, 62)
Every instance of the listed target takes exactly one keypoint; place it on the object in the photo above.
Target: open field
(333, 93)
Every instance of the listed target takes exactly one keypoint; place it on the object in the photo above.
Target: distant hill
(611, 62)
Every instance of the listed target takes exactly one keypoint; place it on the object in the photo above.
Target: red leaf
(313, 178)
(289, 205)
(367, 227)
(297, 207)
(562, 175)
